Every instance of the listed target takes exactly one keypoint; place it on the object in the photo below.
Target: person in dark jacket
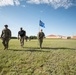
(22, 36)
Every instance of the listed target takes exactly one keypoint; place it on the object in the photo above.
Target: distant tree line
(68, 37)
(13, 37)
(27, 37)
(32, 37)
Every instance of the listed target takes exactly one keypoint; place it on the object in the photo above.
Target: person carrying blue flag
(41, 35)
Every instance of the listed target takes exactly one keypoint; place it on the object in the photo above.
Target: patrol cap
(41, 30)
(6, 25)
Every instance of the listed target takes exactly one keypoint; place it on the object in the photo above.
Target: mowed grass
(57, 57)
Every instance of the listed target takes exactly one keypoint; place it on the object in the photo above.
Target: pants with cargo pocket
(5, 42)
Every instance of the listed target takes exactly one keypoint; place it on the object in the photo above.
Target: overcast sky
(59, 16)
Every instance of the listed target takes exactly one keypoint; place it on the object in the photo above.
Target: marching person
(22, 36)
(41, 35)
(6, 35)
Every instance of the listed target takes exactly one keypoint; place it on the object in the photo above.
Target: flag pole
(39, 24)
(39, 27)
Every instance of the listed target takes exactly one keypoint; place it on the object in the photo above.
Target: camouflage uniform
(41, 35)
(6, 35)
(22, 35)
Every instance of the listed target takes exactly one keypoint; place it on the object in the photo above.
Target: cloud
(55, 3)
(38, 1)
(23, 6)
(17, 2)
(9, 2)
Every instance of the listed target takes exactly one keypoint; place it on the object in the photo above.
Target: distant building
(64, 37)
(56, 36)
(73, 37)
(53, 36)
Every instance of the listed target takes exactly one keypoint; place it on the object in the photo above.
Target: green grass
(58, 57)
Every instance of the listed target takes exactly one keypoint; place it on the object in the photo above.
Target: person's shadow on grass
(44, 49)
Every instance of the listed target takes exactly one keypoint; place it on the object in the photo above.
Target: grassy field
(57, 57)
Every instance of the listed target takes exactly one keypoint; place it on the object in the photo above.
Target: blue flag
(42, 24)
